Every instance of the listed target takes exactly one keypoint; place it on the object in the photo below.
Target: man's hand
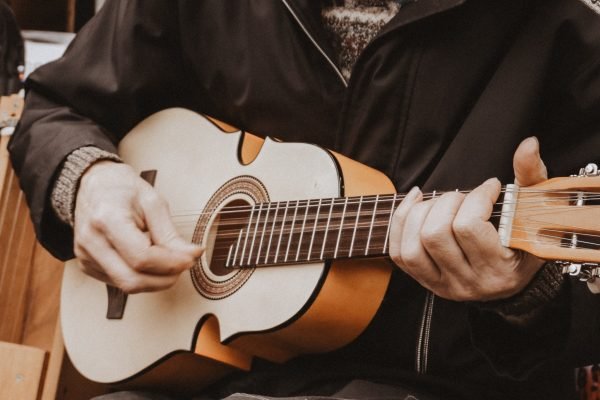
(124, 235)
(449, 246)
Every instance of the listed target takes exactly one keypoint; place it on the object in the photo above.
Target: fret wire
(355, 226)
(343, 248)
(375, 237)
(359, 249)
(337, 243)
(227, 263)
(371, 228)
(262, 235)
(272, 230)
(302, 230)
(321, 229)
(387, 234)
(326, 230)
(287, 250)
(254, 234)
(335, 214)
(283, 221)
(247, 235)
(237, 245)
(312, 239)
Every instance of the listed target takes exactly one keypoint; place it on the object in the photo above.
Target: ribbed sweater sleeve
(66, 185)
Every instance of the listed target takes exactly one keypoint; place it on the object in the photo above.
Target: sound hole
(230, 221)
(224, 216)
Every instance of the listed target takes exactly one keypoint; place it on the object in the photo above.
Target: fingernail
(536, 142)
(492, 181)
(413, 193)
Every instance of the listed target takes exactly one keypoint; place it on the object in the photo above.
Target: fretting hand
(449, 246)
(124, 235)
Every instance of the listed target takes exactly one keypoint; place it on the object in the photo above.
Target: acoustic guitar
(295, 237)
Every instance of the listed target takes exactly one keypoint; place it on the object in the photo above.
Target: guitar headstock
(559, 219)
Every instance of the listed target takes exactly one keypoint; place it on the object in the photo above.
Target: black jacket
(440, 99)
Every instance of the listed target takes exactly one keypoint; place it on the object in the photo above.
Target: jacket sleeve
(568, 331)
(124, 65)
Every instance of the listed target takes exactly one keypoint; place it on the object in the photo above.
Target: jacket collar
(417, 10)
(308, 12)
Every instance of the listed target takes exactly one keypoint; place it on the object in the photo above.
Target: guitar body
(213, 321)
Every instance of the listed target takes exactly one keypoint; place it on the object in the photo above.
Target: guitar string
(306, 204)
(547, 233)
(242, 222)
(586, 196)
(223, 235)
(555, 235)
(240, 209)
(523, 211)
(305, 256)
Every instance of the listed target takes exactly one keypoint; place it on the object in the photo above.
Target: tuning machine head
(589, 170)
(585, 272)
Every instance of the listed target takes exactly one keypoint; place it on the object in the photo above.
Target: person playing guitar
(440, 95)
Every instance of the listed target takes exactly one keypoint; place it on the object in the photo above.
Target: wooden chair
(33, 364)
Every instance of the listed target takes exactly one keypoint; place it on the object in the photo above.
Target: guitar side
(324, 307)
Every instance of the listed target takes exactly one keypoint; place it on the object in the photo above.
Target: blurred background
(53, 15)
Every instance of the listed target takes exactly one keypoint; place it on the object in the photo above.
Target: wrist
(66, 186)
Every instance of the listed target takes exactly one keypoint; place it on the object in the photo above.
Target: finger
(137, 250)
(397, 226)
(90, 268)
(101, 256)
(163, 233)
(416, 261)
(474, 232)
(527, 163)
(438, 238)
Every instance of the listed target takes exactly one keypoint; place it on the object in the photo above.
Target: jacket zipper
(314, 42)
(423, 342)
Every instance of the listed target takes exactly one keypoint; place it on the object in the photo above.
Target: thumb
(527, 163)
(160, 226)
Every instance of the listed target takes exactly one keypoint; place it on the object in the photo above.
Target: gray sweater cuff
(65, 187)
(523, 307)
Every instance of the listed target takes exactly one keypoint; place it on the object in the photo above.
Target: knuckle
(432, 236)
(100, 219)
(396, 259)
(411, 255)
(460, 293)
(395, 254)
(128, 285)
(83, 236)
(150, 199)
(463, 227)
(138, 263)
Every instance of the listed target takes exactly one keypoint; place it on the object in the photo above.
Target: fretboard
(304, 231)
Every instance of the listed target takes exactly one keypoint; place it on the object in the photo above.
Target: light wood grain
(21, 371)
